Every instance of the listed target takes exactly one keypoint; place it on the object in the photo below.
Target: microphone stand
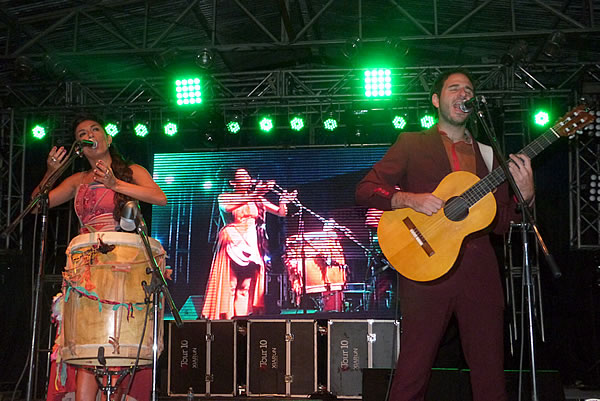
(529, 222)
(42, 199)
(158, 285)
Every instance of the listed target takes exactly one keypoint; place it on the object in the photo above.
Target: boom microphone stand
(529, 222)
(41, 200)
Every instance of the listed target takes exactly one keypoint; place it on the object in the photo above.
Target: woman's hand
(288, 197)
(263, 187)
(55, 159)
(104, 175)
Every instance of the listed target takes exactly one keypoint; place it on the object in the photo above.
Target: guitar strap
(488, 155)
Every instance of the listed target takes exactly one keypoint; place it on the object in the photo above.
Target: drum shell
(115, 276)
(323, 278)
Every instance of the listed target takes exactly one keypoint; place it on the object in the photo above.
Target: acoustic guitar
(424, 248)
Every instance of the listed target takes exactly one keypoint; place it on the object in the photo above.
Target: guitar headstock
(575, 120)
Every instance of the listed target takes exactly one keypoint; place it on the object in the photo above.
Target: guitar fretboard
(497, 176)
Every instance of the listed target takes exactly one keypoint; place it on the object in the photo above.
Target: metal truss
(584, 185)
(12, 176)
(196, 25)
(315, 89)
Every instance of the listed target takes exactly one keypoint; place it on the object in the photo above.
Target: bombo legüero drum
(104, 300)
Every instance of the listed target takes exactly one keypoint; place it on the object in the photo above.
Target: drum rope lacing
(94, 297)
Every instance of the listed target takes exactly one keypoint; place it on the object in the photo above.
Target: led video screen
(315, 254)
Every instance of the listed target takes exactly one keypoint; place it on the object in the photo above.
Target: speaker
(454, 385)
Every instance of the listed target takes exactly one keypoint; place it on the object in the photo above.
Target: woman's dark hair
(120, 165)
(438, 84)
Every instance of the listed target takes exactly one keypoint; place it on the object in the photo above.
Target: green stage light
(38, 131)
(378, 82)
(266, 124)
(233, 127)
(188, 91)
(330, 124)
(427, 121)
(141, 130)
(399, 122)
(542, 118)
(297, 123)
(111, 129)
(170, 128)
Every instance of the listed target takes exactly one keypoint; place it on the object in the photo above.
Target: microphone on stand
(131, 217)
(88, 143)
(468, 105)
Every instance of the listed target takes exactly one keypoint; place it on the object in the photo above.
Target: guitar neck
(497, 176)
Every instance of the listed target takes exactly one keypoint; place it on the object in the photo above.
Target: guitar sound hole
(456, 209)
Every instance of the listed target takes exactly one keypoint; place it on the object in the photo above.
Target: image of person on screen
(236, 283)
(472, 290)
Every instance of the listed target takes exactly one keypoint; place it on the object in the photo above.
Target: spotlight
(378, 82)
(164, 59)
(170, 128)
(330, 124)
(297, 123)
(396, 47)
(351, 47)
(553, 46)
(427, 121)
(188, 91)
(233, 127)
(399, 122)
(204, 59)
(38, 131)
(541, 118)
(141, 129)
(23, 67)
(515, 53)
(234, 123)
(55, 67)
(111, 129)
(266, 124)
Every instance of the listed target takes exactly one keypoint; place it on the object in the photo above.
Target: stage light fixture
(351, 47)
(378, 82)
(541, 118)
(233, 124)
(427, 121)
(399, 122)
(170, 128)
(553, 46)
(266, 124)
(111, 129)
(141, 129)
(188, 91)
(233, 127)
(515, 54)
(330, 124)
(297, 123)
(38, 131)
(204, 59)
(594, 188)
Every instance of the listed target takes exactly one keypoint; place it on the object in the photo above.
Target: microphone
(468, 105)
(86, 142)
(131, 216)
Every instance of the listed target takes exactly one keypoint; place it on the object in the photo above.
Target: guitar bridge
(414, 231)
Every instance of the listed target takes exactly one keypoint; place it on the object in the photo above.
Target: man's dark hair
(438, 84)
